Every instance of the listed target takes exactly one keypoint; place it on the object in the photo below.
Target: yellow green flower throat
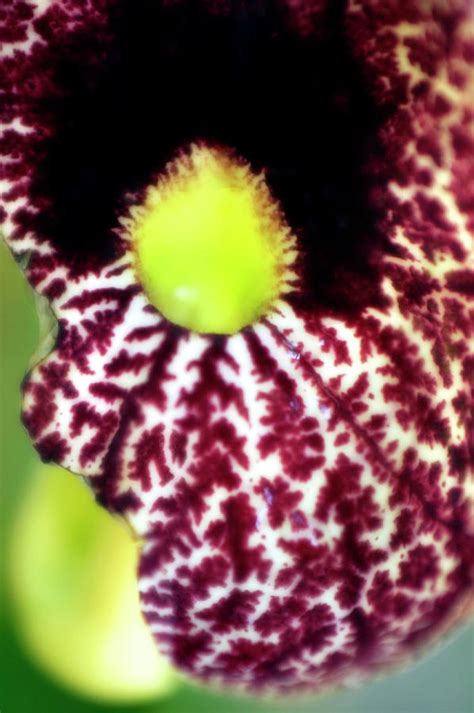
(210, 245)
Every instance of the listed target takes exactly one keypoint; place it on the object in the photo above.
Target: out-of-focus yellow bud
(72, 573)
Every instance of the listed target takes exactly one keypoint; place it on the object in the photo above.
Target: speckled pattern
(303, 489)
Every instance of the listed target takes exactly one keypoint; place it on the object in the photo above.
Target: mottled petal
(303, 488)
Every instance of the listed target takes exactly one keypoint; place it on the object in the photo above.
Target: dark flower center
(175, 73)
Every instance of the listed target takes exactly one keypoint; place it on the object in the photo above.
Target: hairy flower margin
(303, 489)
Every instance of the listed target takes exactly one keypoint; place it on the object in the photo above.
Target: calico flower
(252, 222)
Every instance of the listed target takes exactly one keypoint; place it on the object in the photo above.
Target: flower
(302, 486)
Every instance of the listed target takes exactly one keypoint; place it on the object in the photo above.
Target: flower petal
(303, 487)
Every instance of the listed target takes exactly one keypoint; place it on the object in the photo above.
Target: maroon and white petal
(107, 341)
(285, 551)
(303, 488)
(35, 37)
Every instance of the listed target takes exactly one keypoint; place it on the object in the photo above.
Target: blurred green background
(440, 683)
